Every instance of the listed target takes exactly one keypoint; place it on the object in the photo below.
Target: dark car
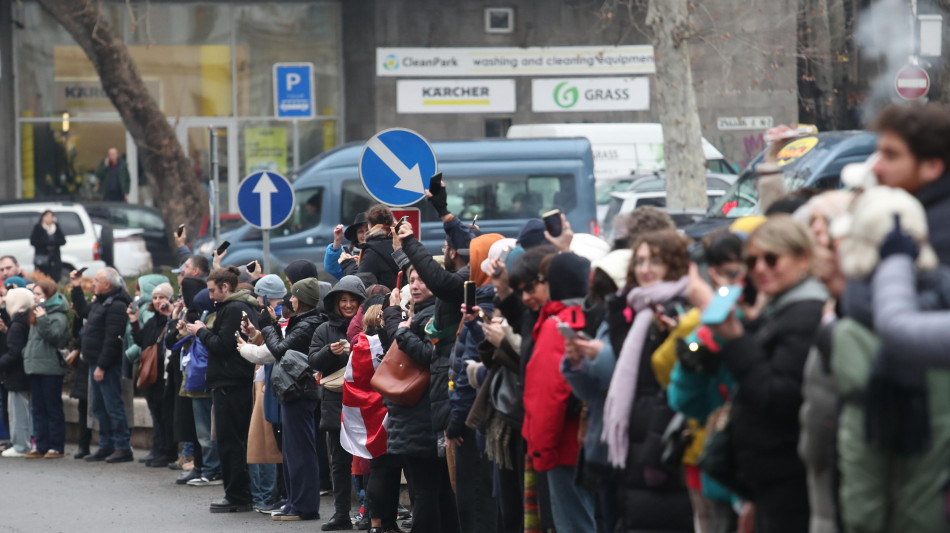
(812, 161)
(122, 215)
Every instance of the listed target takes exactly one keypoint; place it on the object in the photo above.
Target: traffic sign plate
(265, 199)
(393, 164)
(293, 90)
(912, 82)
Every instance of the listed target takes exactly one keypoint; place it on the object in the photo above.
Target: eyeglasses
(771, 259)
(653, 261)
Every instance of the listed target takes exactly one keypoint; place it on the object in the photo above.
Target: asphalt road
(66, 495)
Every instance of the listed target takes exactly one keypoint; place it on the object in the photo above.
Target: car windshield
(796, 161)
(605, 187)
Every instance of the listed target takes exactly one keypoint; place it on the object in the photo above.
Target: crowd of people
(785, 373)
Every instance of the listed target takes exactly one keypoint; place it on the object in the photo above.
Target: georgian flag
(364, 417)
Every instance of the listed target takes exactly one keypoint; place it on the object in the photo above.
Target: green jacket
(881, 492)
(41, 354)
(124, 177)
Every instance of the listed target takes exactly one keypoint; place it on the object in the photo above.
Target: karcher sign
(531, 61)
(590, 94)
(455, 96)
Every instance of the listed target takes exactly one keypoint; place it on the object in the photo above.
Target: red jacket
(551, 433)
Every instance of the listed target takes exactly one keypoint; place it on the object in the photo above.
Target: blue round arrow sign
(395, 166)
(265, 199)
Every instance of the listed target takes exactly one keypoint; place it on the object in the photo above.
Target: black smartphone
(435, 183)
(401, 220)
(223, 247)
(81, 270)
(470, 297)
(180, 230)
(164, 306)
(252, 266)
(552, 222)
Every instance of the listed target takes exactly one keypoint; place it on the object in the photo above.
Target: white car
(84, 246)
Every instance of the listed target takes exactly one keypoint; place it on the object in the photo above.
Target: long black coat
(226, 367)
(409, 431)
(448, 288)
(104, 332)
(935, 198)
(12, 375)
(45, 244)
(299, 334)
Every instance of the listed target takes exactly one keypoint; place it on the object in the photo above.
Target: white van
(620, 149)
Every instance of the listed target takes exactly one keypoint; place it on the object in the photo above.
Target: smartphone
(474, 220)
(164, 307)
(399, 280)
(567, 331)
(721, 305)
(237, 336)
(223, 247)
(244, 318)
(655, 307)
(552, 222)
(180, 230)
(435, 183)
(471, 300)
(252, 266)
(134, 306)
(81, 270)
(502, 259)
(204, 315)
(401, 220)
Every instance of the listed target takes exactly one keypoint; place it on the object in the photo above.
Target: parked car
(651, 190)
(87, 243)
(120, 215)
(813, 161)
(504, 181)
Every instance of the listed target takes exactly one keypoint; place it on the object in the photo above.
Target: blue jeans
(21, 425)
(49, 421)
(188, 449)
(571, 505)
(107, 405)
(263, 478)
(210, 462)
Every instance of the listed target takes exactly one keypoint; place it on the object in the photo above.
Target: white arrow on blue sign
(293, 90)
(393, 164)
(265, 199)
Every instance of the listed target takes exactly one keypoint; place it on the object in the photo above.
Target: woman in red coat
(552, 414)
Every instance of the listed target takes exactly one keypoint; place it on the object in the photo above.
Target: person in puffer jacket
(328, 353)
(46, 367)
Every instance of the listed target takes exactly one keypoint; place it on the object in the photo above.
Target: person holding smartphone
(152, 332)
(376, 256)
(328, 353)
(46, 239)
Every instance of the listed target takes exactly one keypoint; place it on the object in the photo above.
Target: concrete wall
(7, 110)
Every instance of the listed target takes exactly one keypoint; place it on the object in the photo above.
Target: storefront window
(64, 164)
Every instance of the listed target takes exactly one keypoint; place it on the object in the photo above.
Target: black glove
(454, 430)
(898, 243)
(440, 201)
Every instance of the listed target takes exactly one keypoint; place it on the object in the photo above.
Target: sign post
(912, 82)
(294, 97)
(266, 200)
(393, 164)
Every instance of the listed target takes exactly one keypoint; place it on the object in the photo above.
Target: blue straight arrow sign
(265, 199)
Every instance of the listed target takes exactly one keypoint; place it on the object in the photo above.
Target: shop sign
(455, 96)
(265, 149)
(531, 61)
(85, 96)
(590, 94)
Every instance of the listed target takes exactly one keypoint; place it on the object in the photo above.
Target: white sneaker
(206, 482)
(11, 452)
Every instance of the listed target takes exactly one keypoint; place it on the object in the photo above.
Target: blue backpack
(194, 363)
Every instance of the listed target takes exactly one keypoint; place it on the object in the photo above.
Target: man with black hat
(355, 233)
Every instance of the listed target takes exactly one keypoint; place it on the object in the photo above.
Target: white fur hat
(589, 246)
(872, 218)
(18, 300)
(616, 264)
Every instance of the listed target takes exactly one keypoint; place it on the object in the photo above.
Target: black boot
(82, 452)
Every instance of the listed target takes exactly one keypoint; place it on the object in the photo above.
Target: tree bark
(179, 195)
(676, 105)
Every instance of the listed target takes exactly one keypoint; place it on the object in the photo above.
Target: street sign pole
(266, 265)
(215, 216)
(296, 147)
(266, 200)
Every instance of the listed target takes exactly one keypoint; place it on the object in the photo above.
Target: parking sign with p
(294, 96)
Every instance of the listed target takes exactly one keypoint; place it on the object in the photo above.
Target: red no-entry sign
(912, 82)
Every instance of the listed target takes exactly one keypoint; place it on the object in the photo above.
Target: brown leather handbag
(148, 363)
(400, 379)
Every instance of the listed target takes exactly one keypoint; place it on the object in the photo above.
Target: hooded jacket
(151, 333)
(226, 367)
(321, 357)
(377, 259)
(12, 375)
(296, 336)
(448, 289)
(106, 322)
(41, 356)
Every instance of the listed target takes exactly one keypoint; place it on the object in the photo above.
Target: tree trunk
(676, 105)
(181, 198)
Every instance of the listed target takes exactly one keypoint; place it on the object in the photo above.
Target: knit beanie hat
(589, 246)
(163, 289)
(270, 286)
(300, 269)
(568, 276)
(16, 281)
(532, 234)
(18, 300)
(616, 264)
(307, 291)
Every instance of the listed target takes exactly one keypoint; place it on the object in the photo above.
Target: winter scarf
(623, 384)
